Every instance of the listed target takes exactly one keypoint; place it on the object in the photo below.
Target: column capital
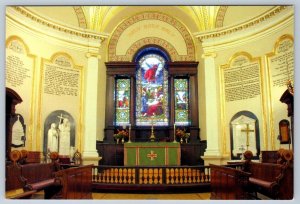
(92, 54)
(209, 54)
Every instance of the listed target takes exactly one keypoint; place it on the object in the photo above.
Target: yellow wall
(258, 45)
(43, 47)
(43, 42)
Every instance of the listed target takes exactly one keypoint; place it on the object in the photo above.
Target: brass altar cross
(152, 156)
(247, 130)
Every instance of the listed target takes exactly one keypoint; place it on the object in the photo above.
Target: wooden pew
(228, 183)
(272, 180)
(37, 176)
(265, 178)
(32, 177)
(76, 182)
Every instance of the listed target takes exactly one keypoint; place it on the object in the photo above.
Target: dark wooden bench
(76, 182)
(39, 176)
(265, 178)
(271, 179)
(228, 183)
(31, 177)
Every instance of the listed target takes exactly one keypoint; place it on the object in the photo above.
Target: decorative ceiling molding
(220, 16)
(80, 16)
(58, 27)
(240, 27)
(152, 41)
(112, 46)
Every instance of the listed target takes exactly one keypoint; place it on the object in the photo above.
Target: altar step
(145, 188)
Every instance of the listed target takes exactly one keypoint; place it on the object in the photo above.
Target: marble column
(90, 153)
(213, 151)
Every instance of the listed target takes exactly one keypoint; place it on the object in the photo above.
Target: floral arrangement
(121, 134)
(182, 133)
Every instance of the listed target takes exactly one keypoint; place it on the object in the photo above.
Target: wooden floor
(139, 196)
(126, 196)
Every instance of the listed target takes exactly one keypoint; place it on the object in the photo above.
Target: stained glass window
(122, 101)
(152, 91)
(181, 101)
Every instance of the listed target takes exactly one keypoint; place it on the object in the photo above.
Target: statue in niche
(18, 132)
(243, 135)
(53, 138)
(59, 133)
(64, 135)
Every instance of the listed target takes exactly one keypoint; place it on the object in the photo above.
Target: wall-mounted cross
(152, 155)
(247, 130)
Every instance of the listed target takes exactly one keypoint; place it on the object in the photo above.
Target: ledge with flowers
(182, 135)
(121, 136)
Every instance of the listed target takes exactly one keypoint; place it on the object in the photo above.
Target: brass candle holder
(152, 136)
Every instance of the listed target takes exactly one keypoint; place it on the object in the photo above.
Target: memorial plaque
(241, 79)
(61, 93)
(281, 69)
(19, 76)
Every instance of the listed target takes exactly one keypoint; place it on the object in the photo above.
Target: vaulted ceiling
(105, 18)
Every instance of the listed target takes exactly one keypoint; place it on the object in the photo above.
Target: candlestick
(129, 133)
(174, 134)
(152, 136)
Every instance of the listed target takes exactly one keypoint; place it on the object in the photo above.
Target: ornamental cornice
(58, 27)
(221, 32)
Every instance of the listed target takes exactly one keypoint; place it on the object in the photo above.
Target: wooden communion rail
(150, 178)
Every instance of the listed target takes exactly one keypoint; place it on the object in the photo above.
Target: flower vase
(186, 140)
(181, 140)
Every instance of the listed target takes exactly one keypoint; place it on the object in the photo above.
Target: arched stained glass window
(122, 101)
(152, 103)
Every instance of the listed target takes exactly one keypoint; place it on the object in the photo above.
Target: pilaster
(90, 154)
(213, 151)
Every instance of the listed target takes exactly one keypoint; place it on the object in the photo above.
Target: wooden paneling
(269, 156)
(228, 183)
(76, 182)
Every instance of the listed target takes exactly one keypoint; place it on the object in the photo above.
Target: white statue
(64, 136)
(17, 132)
(53, 138)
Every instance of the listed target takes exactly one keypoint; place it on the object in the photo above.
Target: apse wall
(257, 51)
(47, 64)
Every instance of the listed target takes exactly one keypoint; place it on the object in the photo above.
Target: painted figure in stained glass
(122, 101)
(181, 101)
(152, 90)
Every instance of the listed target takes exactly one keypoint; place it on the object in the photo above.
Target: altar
(152, 154)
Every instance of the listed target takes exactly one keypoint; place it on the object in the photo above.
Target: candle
(129, 133)
(174, 132)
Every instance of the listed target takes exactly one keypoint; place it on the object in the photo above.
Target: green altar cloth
(151, 154)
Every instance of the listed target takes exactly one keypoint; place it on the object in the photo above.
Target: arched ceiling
(104, 19)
